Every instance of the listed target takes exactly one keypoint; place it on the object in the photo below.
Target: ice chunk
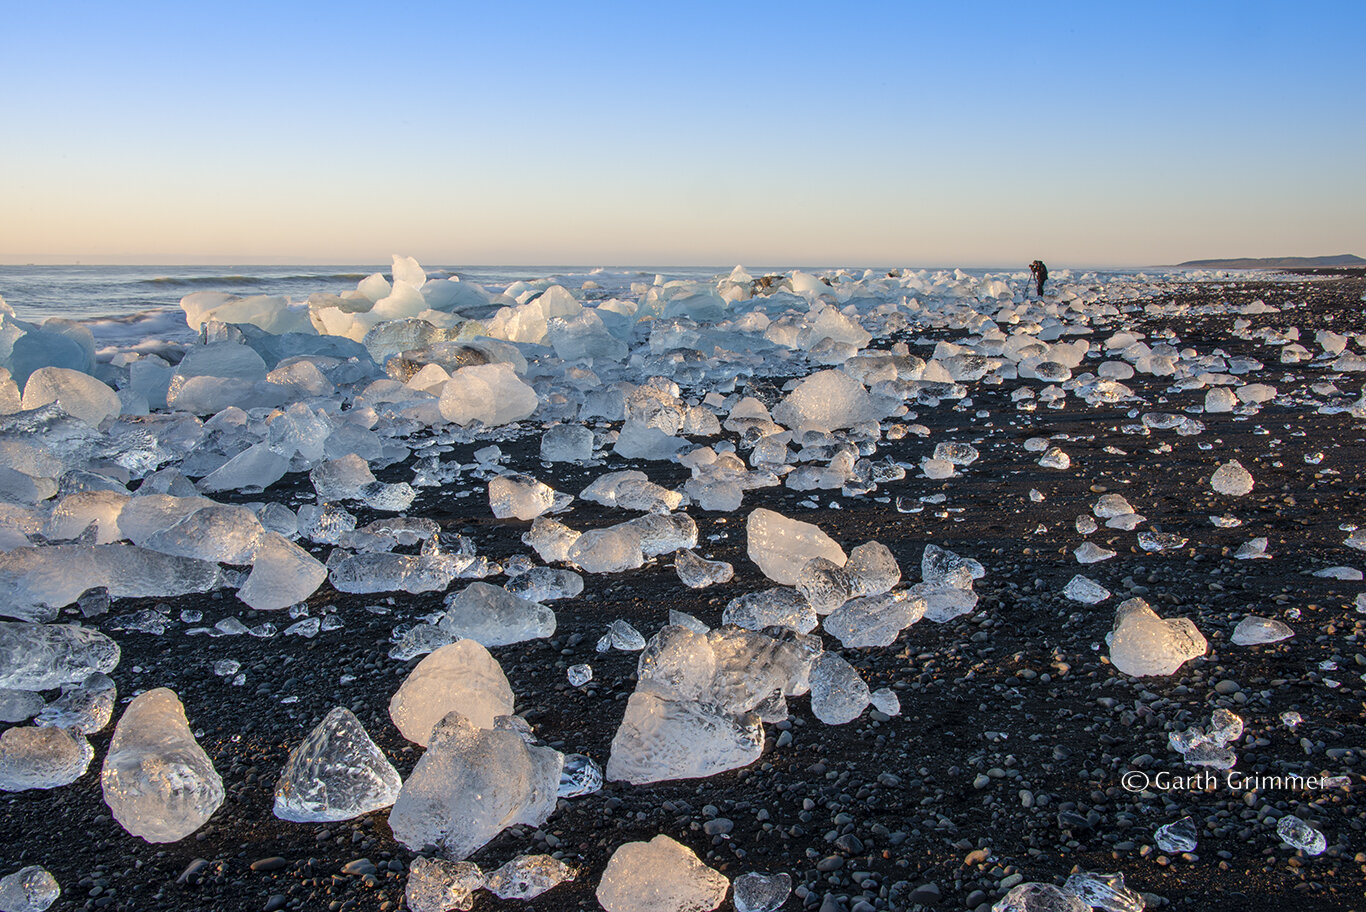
(254, 469)
(698, 573)
(1253, 631)
(937, 468)
(495, 617)
(86, 708)
(437, 885)
(460, 676)
(1254, 549)
(1178, 836)
(621, 636)
(838, 694)
(581, 776)
(75, 512)
(471, 784)
(523, 497)
(218, 532)
(1111, 505)
(661, 738)
(337, 773)
(158, 782)
(778, 607)
(659, 876)
(567, 443)
(1297, 834)
(872, 569)
(874, 620)
(282, 574)
(42, 758)
(341, 478)
(78, 394)
(44, 656)
(886, 701)
(609, 550)
(579, 675)
(30, 889)
(1055, 458)
(58, 575)
(545, 584)
(1105, 892)
(1142, 643)
(825, 401)
(824, 584)
(489, 393)
(1231, 479)
(632, 490)
(1092, 553)
(781, 546)
(1087, 591)
(761, 892)
(528, 876)
(946, 584)
(1040, 897)
(550, 539)
(960, 454)
(19, 705)
(640, 441)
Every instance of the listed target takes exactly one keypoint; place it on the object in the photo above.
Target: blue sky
(612, 134)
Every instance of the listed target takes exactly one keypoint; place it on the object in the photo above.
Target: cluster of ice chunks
(1142, 643)
(632, 490)
(661, 875)
(1200, 747)
(336, 773)
(471, 784)
(158, 782)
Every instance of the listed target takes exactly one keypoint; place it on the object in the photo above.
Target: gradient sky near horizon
(635, 133)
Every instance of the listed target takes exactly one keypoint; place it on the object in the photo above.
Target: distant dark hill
(1345, 259)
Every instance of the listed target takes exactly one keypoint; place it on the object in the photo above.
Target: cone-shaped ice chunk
(157, 780)
(761, 892)
(528, 876)
(838, 694)
(1297, 834)
(660, 876)
(1253, 631)
(42, 758)
(662, 738)
(495, 617)
(437, 885)
(781, 546)
(336, 773)
(85, 708)
(1231, 479)
(1142, 643)
(1178, 836)
(1105, 891)
(31, 889)
(461, 676)
(471, 784)
(491, 393)
(697, 572)
(1040, 897)
(282, 574)
(44, 656)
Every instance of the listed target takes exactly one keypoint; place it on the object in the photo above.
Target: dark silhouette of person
(1040, 272)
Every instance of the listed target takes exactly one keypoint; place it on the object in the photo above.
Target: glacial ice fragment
(337, 773)
(659, 876)
(662, 738)
(438, 885)
(777, 607)
(158, 782)
(697, 573)
(42, 758)
(1253, 631)
(1040, 897)
(874, 620)
(1105, 892)
(1087, 591)
(459, 676)
(581, 776)
(44, 656)
(30, 889)
(1297, 834)
(495, 617)
(282, 574)
(781, 546)
(1231, 479)
(761, 892)
(1142, 643)
(490, 393)
(528, 876)
(838, 694)
(1178, 836)
(85, 708)
(471, 784)
(522, 497)
(567, 443)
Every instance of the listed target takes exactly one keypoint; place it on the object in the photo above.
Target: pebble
(273, 863)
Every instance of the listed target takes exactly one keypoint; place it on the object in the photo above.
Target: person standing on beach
(1040, 272)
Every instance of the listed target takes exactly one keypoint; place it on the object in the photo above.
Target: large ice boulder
(471, 784)
(826, 401)
(158, 782)
(661, 738)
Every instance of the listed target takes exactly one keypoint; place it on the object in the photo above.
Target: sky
(908, 133)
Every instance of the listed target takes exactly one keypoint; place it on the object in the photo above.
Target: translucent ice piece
(460, 676)
(337, 773)
(659, 876)
(42, 758)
